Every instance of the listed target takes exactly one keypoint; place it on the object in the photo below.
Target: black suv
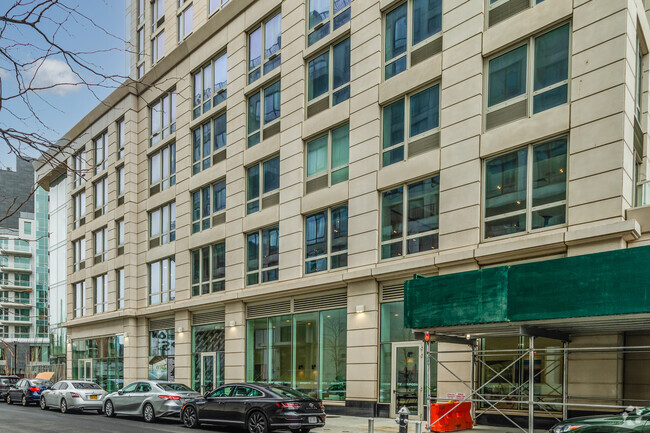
(5, 384)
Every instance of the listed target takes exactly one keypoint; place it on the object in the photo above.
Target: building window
(162, 281)
(210, 85)
(101, 144)
(208, 204)
(409, 218)
(22, 280)
(638, 81)
(526, 189)
(101, 293)
(119, 227)
(80, 299)
(101, 197)
(79, 248)
(215, 5)
(326, 240)
(409, 132)
(309, 350)
(327, 158)
(413, 33)
(120, 181)
(79, 167)
(21, 314)
(161, 355)
(209, 269)
(265, 182)
(140, 47)
(121, 140)
(321, 13)
(22, 263)
(511, 95)
(27, 228)
(162, 169)
(185, 19)
(140, 12)
(262, 251)
(328, 78)
(119, 282)
(163, 117)
(264, 44)
(157, 14)
(157, 48)
(101, 244)
(79, 204)
(162, 225)
(207, 140)
(263, 113)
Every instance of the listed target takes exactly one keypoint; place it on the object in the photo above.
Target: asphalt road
(15, 418)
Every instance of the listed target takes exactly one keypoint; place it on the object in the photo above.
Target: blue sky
(62, 108)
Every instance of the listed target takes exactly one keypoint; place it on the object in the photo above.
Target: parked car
(633, 419)
(149, 398)
(73, 394)
(256, 408)
(5, 384)
(27, 391)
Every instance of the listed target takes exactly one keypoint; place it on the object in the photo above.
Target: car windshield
(288, 392)
(174, 387)
(41, 382)
(85, 385)
(9, 380)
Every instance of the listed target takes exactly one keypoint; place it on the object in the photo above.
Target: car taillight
(169, 397)
(289, 405)
(32, 389)
(74, 395)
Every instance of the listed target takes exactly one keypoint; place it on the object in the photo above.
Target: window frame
(409, 38)
(199, 225)
(103, 204)
(78, 254)
(170, 234)
(183, 9)
(164, 182)
(331, 91)
(120, 236)
(79, 167)
(100, 255)
(157, 47)
(171, 281)
(261, 93)
(119, 181)
(206, 161)
(407, 123)
(157, 19)
(529, 192)
(261, 195)
(100, 157)
(405, 222)
(264, 60)
(328, 22)
(119, 289)
(79, 208)
(222, 4)
(169, 129)
(259, 271)
(121, 138)
(213, 284)
(330, 149)
(328, 255)
(79, 294)
(217, 96)
(100, 303)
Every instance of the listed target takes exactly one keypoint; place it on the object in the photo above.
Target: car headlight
(567, 427)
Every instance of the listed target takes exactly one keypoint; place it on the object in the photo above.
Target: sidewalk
(353, 424)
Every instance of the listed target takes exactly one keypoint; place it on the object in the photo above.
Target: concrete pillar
(183, 348)
(235, 337)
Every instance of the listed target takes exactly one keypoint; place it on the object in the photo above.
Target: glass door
(208, 372)
(407, 378)
(86, 369)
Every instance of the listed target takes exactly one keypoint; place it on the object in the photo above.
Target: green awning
(602, 284)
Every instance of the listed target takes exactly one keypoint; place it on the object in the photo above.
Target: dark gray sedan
(73, 394)
(149, 398)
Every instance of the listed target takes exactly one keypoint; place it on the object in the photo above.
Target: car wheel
(23, 401)
(257, 423)
(190, 417)
(148, 413)
(43, 404)
(9, 399)
(63, 406)
(109, 410)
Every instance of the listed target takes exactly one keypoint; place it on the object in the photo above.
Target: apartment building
(249, 206)
(23, 272)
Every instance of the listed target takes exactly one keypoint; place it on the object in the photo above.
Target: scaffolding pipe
(565, 381)
(531, 385)
(427, 371)
(471, 380)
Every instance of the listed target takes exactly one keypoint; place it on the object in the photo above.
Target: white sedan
(74, 394)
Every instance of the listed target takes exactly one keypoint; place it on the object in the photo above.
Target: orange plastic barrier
(459, 418)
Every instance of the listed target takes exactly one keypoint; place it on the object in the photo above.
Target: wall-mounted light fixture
(361, 308)
(232, 323)
(180, 329)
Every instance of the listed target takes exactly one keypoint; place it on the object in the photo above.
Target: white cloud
(52, 72)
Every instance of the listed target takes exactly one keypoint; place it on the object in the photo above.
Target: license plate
(93, 397)
(312, 420)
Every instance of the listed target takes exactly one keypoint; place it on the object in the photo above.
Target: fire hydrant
(403, 420)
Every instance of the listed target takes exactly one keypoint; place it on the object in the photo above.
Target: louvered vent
(159, 324)
(323, 302)
(507, 10)
(392, 292)
(207, 317)
(506, 114)
(268, 309)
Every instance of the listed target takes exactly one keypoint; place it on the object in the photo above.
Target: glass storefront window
(161, 354)
(306, 347)
(100, 360)
(208, 356)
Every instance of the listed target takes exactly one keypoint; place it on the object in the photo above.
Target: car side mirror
(120, 391)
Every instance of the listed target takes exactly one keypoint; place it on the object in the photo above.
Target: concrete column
(183, 348)
(235, 342)
(135, 349)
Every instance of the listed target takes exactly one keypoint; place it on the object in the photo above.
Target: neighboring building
(23, 272)
(254, 201)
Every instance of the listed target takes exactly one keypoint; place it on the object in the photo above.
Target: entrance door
(208, 372)
(407, 378)
(86, 369)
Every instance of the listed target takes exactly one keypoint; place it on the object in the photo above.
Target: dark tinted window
(222, 392)
(143, 387)
(174, 387)
(85, 385)
(285, 392)
(8, 380)
(246, 391)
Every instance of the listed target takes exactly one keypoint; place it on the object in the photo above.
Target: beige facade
(604, 166)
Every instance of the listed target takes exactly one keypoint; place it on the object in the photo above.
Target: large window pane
(552, 57)
(393, 128)
(333, 340)
(396, 29)
(427, 19)
(318, 76)
(272, 34)
(317, 156)
(341, 63)
(280, 350)
(423, 199)
(272, 102)
(271, 174)
(424, 114)
(257, 355)
(391, 214)
(306, 352)
(505, 183)
(318, 11)
(507, 76)
(549, 172)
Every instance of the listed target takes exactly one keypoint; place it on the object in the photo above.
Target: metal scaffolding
(554, 405)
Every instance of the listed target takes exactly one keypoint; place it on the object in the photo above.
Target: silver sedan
(73, 394)
(149, 399)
